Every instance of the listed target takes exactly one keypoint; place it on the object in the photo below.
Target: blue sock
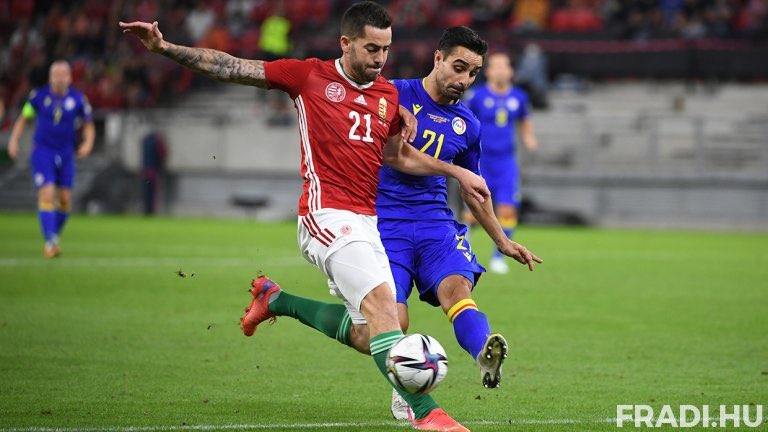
(47, 222)
(61, 220)
(470, 326)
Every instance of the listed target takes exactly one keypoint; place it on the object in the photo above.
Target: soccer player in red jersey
(349, 125)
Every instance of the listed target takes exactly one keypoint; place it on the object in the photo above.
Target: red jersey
(343, 128)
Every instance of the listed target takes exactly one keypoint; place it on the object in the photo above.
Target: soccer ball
(417, 363)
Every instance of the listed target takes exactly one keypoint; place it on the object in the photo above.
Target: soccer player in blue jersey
(60, 111)
(499, 105)
(425, 245)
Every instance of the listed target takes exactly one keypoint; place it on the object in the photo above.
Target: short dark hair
(462, 36)
(362, 14)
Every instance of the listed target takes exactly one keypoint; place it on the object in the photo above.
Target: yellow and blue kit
(55, 140)
(424, 242)
(498, 114)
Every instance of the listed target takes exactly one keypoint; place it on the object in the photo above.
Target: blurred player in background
(60, 111)
(500, 105)
(349, 124)
(424, 243)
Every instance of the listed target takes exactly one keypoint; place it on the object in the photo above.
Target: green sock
(331, 319)
(421, 404)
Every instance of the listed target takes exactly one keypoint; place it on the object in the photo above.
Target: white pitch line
(148, 262)
(302, 426)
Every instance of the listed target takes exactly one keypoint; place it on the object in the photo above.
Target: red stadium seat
(5, 11)
(248, 45)
(298, 11)
(97, 9)
(22, 9)
(575, 20)
(457, 17)
(320, 10)
(79, 67)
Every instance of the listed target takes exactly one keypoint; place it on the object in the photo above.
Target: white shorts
(347, 248)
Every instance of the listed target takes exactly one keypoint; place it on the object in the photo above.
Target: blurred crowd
(116, 72)
(612, 18)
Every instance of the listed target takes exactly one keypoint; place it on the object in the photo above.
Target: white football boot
(490, 360)
(498, 265)
(400, 408)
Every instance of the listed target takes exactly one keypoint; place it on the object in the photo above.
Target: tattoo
(219, 65)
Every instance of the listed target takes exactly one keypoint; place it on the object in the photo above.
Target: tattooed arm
(218, 65)
(214, 64)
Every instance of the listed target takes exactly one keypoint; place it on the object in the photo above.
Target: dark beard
(363, 73)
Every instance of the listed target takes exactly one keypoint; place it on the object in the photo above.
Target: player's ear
(438, 57)
(346, 44)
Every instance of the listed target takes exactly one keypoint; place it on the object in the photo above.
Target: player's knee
(378, 307)
(380, 296)
(453, 290)
(65, 203)
(45, 203)
(507, 216)
(45, 195)
(506, 211)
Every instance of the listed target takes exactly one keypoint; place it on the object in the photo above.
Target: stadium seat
(22, 9)
(457, 17)
(248, 44)
(575, 20)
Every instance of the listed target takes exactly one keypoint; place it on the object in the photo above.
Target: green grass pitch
(111, 336)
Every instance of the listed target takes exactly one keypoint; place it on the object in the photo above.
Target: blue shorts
(502, 175)
(51, 167)
(426, 252)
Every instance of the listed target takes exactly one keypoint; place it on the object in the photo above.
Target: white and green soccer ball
(417, 363)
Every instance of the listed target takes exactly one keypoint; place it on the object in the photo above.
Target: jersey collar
(341, 72)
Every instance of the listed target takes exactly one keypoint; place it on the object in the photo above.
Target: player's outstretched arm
(214, 64)
(483, 213)
(405, 158)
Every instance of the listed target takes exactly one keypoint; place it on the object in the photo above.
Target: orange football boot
(258, 311)
(439, 420)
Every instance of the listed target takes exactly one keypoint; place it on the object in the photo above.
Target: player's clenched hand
(519, 253)
(473, 184)
(148, 33)
(409, 124)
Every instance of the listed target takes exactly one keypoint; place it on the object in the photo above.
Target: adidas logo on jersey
(361, 100)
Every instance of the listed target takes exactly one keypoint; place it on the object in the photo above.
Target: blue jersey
(498, 115)
(58, 118)
(450, 133)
